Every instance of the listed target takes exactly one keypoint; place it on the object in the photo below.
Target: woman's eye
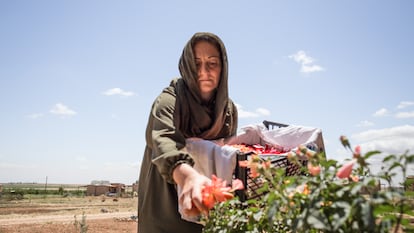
(212, 64)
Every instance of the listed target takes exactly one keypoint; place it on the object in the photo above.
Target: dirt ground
(94, 226)
(67, 215)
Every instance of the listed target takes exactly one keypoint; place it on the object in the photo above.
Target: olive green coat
(176, 114)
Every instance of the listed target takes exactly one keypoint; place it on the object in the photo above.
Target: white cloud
(35, 115)
(365, 124)
(405, 115)
(310, 68)
(302, 58)
(263, 111)
(404, 104)
(400, 115)
(246, 114)
(257, 113)
(394, 140)
(306, 62)
(381, 112)
(63, 110)
(118, 91)
(397, 140)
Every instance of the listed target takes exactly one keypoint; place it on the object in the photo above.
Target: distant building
(104, 188)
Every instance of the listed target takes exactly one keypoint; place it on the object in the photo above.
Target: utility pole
(46, 186)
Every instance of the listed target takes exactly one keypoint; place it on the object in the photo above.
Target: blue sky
(77, 78)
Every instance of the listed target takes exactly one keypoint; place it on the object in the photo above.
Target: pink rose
(346, 170)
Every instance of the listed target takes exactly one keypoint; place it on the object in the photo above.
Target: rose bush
(330, 197)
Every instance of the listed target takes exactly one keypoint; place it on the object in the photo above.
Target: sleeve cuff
(188, 161)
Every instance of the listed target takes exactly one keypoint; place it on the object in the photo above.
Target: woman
(195, 105)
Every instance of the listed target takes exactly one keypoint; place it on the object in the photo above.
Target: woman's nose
(203, 69)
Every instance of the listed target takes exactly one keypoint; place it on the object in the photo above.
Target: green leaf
(271, 212)
(329, 163)
(410, 158)
(342, 211)
(371, 153)
(395, 165)
(367, 215)
(317, 220)
(388, 158)
(257, 216)
(356, 188)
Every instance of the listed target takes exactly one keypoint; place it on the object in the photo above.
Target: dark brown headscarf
(212, 120)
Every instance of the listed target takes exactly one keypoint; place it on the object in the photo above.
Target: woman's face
(208, 62)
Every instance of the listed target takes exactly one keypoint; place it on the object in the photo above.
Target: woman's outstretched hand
(191, 183)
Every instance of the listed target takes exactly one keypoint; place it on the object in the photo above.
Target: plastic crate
(252, 185)
(272, 124)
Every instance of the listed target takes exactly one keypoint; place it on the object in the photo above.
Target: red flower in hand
(218, 191)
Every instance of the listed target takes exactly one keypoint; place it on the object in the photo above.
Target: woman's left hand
(191, 183)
